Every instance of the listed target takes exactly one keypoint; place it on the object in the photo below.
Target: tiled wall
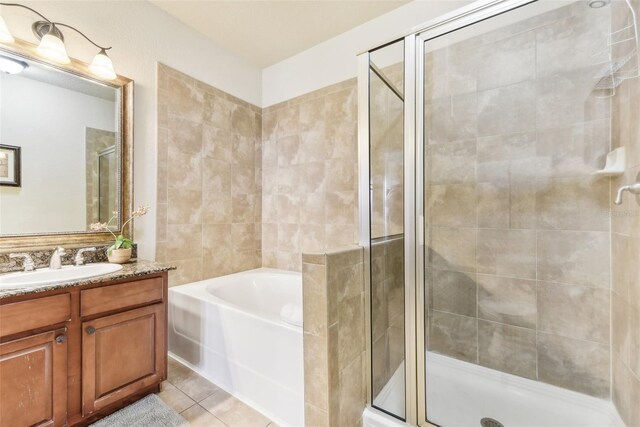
(209, 179)
(334, 337)
(626, 241)
(518, 230)
(309, 173)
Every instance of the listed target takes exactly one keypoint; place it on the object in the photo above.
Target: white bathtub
(229, 330)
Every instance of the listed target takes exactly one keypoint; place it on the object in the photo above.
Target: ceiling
(268, 31)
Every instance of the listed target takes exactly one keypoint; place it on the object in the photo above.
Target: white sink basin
(45, 276)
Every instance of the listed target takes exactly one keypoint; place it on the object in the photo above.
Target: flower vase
(119, 256)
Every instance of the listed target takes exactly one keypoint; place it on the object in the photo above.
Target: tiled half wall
(334, 337)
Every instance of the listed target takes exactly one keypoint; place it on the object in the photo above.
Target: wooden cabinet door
(33, 380)
(121, 355)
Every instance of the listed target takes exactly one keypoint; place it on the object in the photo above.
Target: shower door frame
(414, 173)
(456, 20)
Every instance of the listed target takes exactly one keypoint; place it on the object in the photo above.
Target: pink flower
(99, 226)
(142, 210)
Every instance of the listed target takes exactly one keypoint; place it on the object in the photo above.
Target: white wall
(52, 196)
(141, 35)
(335, 60)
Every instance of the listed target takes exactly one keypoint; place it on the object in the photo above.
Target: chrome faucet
(633, 189)
(28, 263)
(79, 259)
(56, 262)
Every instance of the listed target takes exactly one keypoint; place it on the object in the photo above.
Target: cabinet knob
(91, 330)
(60, 339)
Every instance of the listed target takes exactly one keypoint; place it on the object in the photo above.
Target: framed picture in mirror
(9, 165)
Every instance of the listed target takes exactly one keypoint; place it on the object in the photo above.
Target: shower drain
(490, 422)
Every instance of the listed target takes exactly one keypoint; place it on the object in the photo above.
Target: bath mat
(150, 411)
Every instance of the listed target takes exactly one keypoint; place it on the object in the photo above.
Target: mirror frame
(124, 85)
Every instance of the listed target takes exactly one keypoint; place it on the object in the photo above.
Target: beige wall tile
(184, 136)
(351, 393)
(567, 98)
(452, 162)
(635, 395)
(499, 155)
(452, 119)
(314, 416)
(507, 253)
(453, 249)
(216, 209)
(507, 300)
(572, 204)
(621, 388)
(452, 205)
(454, 335)
(508, 61)
(621, 333)
(493, 205)
(217, 143)
(573, 150)
(350, 329)
(216, 177)
(454, 292)
(507, 109)
(316, 372)
(574, 257)
(574, 311)
(187, 271)
(507, 348)
(578, 365)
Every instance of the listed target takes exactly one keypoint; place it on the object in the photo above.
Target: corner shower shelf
(627, 66)
(615, 163)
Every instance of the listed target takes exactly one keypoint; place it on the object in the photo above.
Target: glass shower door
(518, 110)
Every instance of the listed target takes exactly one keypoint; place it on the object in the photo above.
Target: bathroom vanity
(73, 352)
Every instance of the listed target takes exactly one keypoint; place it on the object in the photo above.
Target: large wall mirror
(65, 151)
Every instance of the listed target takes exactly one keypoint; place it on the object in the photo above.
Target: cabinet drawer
(116, 297)
(33, 314)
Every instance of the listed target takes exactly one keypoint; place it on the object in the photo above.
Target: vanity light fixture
(52, 47)
(102, 66)
(5, 35)
(52, 43)
(11, 66)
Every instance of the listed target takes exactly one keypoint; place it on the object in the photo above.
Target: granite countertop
(131, 269)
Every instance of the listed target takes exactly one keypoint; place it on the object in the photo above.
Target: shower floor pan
(460, 394)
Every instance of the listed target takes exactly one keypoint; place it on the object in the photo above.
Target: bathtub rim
(198, 290)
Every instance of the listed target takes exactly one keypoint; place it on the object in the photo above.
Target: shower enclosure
(503, 283)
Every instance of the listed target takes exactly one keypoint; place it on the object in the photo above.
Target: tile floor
(204, 404)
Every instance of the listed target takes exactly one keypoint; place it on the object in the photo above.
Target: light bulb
(5, 35)
(51, 47)
(11, 66)
(102, 66)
